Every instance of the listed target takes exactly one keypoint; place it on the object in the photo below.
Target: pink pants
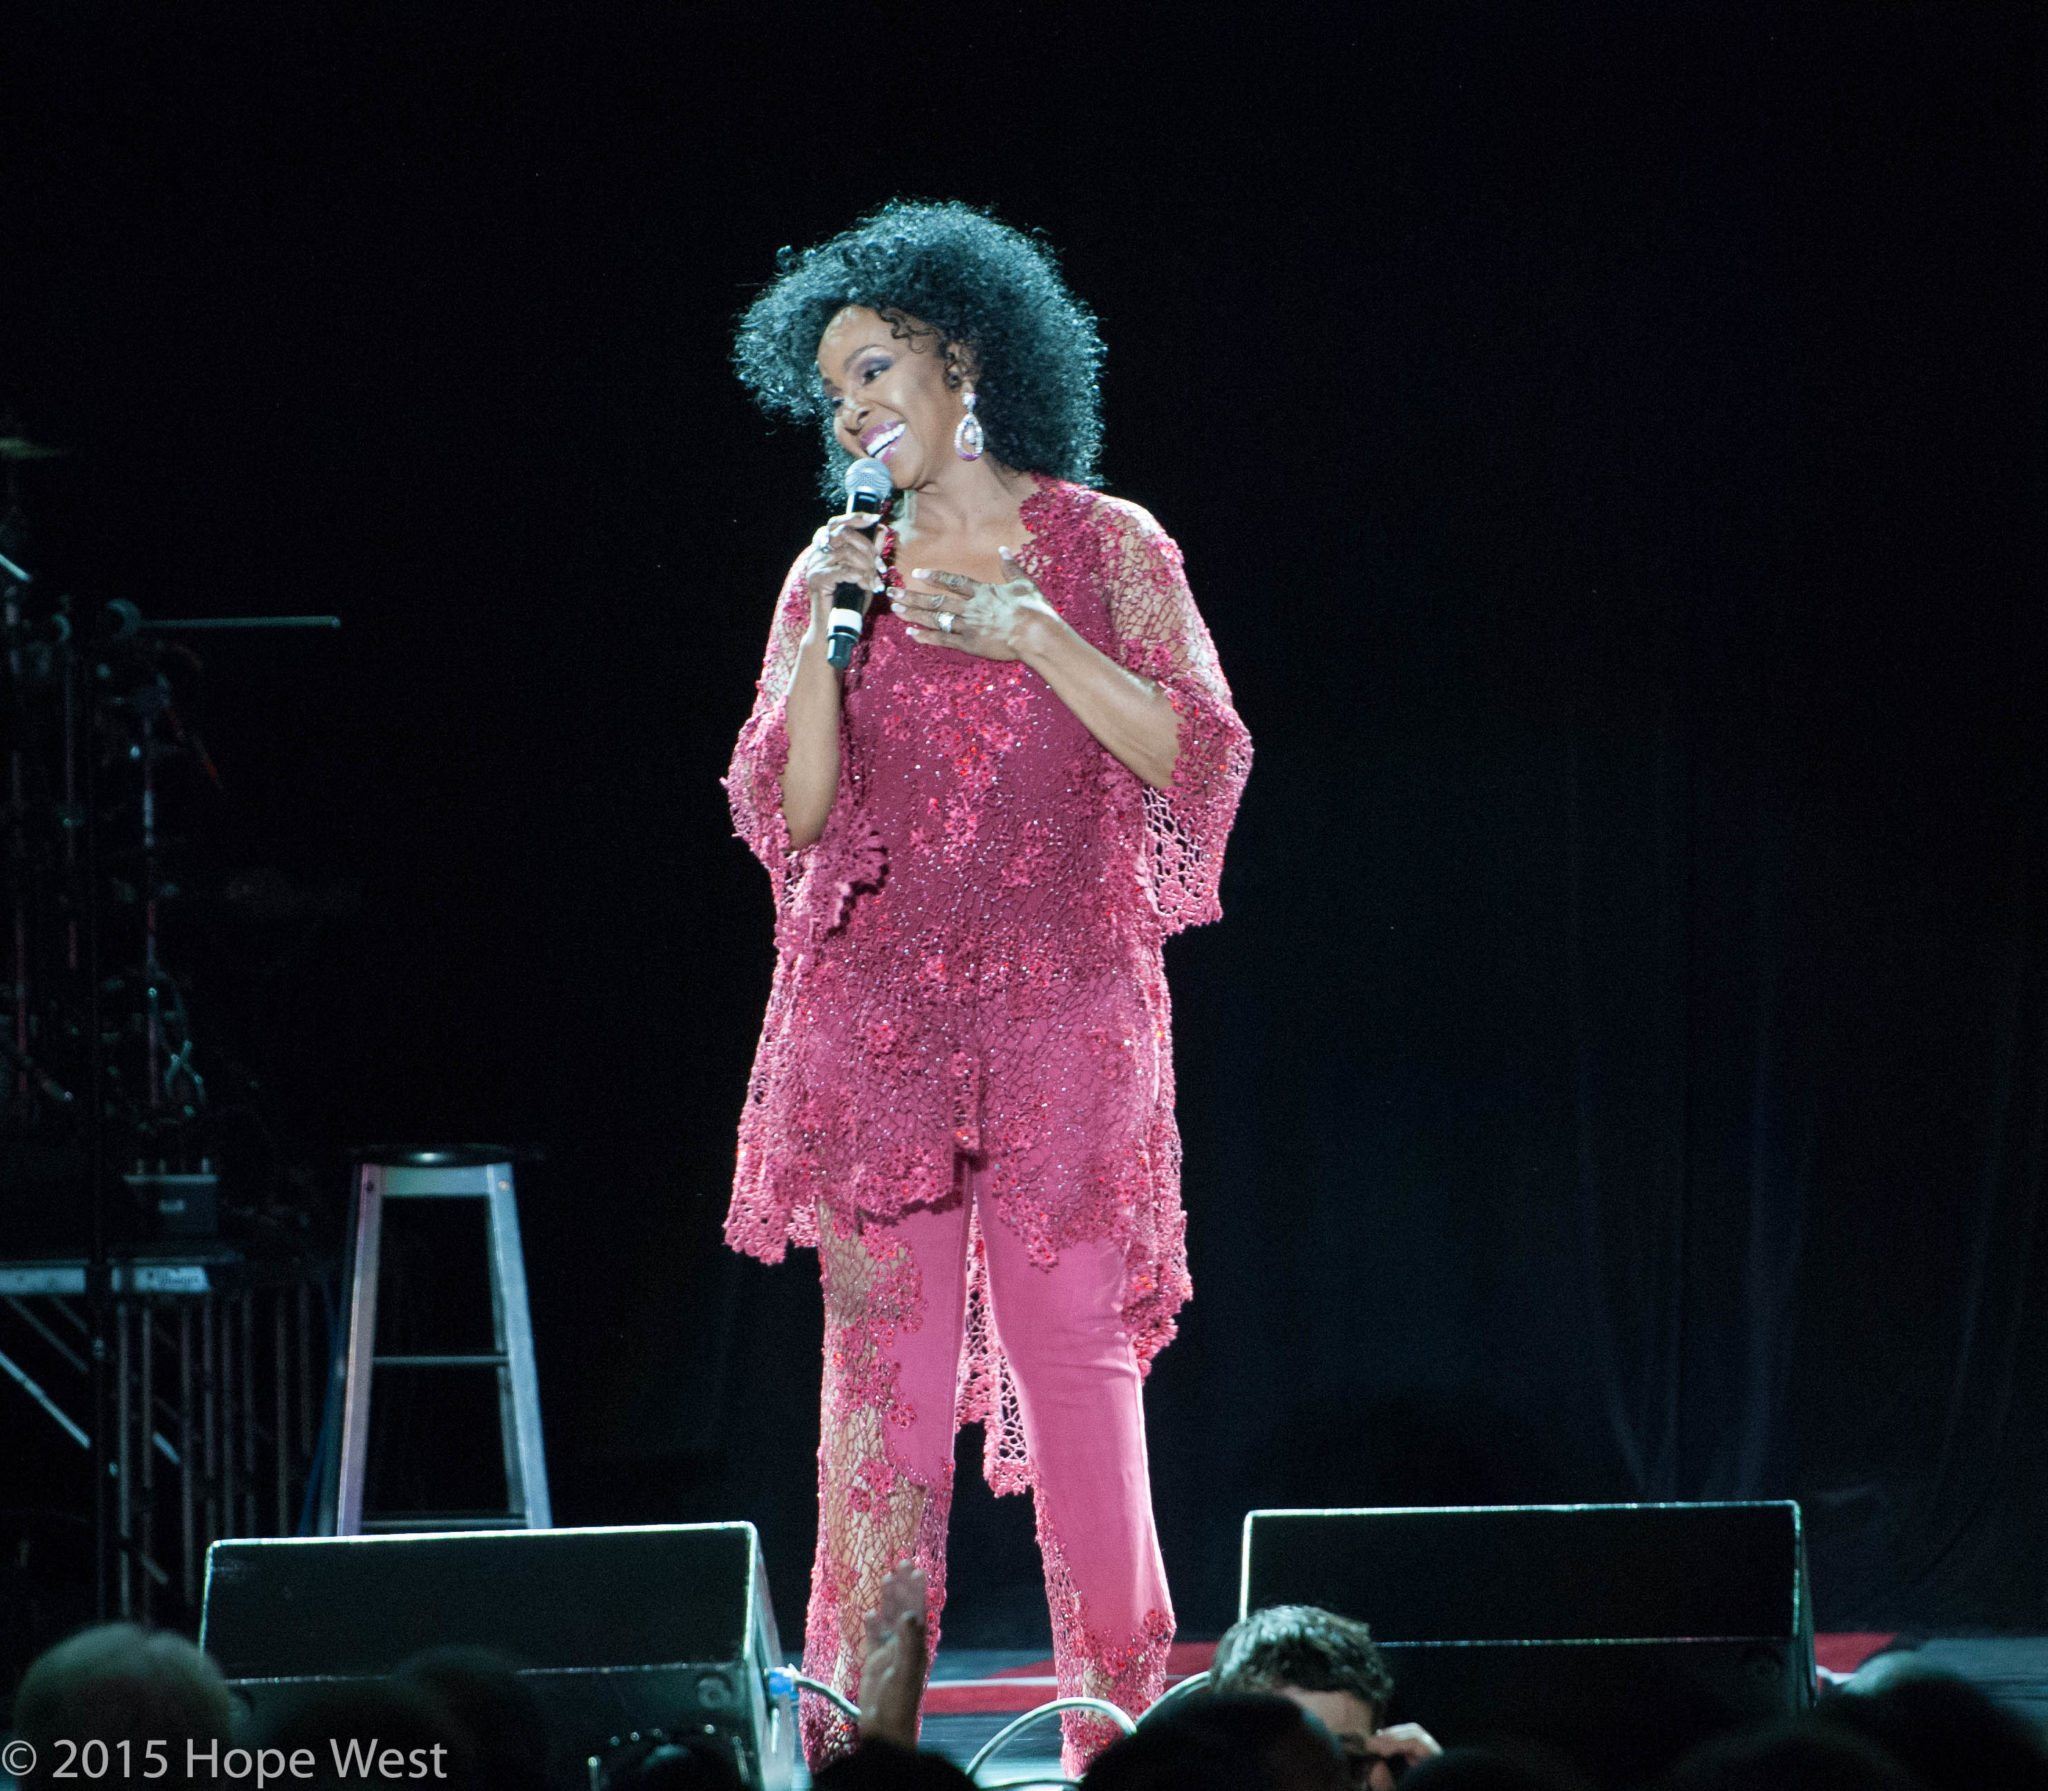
(895, 1304)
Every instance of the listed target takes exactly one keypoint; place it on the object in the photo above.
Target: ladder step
(497, 1361)
(442, 1174)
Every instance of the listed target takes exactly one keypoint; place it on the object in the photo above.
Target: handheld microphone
(868, 486)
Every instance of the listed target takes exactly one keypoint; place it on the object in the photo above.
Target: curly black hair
(1308, 1648)
(940, 268)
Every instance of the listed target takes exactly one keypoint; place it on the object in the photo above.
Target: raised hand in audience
(1393, 1750)
(892, 1682)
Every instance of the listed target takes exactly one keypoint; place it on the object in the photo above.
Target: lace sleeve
(1160, 635)
(753, 782)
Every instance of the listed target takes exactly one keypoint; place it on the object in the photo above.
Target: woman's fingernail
(919, 572)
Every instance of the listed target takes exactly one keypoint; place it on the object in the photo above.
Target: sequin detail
(989, 872)
(874, 1510)
(1129, 1671)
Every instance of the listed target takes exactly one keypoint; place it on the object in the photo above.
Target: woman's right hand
(840, 554)
(843, 553)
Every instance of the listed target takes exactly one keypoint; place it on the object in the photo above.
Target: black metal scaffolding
(219, 1373)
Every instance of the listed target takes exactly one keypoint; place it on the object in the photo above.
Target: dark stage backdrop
(1605, 442)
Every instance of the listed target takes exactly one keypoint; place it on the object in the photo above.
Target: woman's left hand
(949, 609)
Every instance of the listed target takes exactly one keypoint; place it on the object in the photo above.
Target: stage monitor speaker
(1620, 1635)
(656, 1627)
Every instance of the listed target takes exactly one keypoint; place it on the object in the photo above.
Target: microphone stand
(86, 670)
(69, 665)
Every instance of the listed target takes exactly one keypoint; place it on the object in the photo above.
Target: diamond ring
(946, 620)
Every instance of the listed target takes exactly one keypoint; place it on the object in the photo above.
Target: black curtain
(1606, 448)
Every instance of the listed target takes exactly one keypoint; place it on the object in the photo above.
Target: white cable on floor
(1101, 1707)
(786, 1682)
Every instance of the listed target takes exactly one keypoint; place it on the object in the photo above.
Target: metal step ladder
(472, 1173)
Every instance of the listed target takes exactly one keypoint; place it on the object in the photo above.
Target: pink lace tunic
(968, 958)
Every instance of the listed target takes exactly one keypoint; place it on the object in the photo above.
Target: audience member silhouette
(1475, 1769)
(1806, 1755)
(500, 1718)
(336, 1723)
(115, 1683)
(1253, 1741)
(1333, 1669)
(1942, 1729)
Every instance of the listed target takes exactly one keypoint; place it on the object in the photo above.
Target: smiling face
(892, 396)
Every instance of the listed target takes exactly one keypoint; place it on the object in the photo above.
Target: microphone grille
(868, 479)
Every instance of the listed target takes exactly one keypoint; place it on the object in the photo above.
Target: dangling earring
(968, 439)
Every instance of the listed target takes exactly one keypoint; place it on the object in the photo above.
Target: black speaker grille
(348, 1606)
(1537, 1573)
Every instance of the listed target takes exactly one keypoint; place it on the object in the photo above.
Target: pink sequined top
(968, 957)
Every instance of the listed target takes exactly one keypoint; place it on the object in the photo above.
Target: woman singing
(978, 836)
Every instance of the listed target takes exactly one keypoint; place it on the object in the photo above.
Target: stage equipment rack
(219, 1368)
(197, 1357)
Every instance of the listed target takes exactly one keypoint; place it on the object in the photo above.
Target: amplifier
(1621, 1635)
(660, 1626)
